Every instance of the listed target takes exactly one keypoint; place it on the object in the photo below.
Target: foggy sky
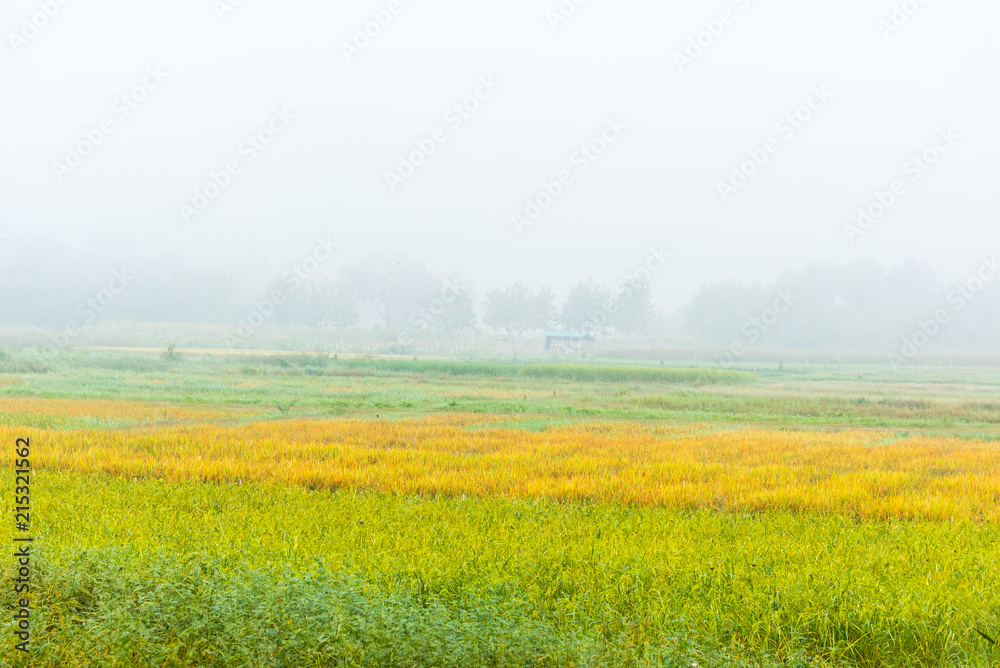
(656, 185)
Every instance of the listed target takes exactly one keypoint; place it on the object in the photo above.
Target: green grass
(316, 385)
(575, 372)
(146, 573)
(444, 367)
(38, 421)
(632, 374)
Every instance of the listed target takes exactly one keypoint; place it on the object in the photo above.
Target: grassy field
(297, 510)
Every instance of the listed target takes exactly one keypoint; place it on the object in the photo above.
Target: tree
(633, 308)
(718, 310)
(450, 312)
(543, 312)
(335, 306)
(393, 285)
(516, 309)
(509, 310)
(589, 308)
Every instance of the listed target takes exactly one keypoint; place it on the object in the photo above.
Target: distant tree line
(589, 307)
(858, 306)
(387, 291)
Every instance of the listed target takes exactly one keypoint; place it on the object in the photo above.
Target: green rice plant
(445, 367)
(134, 572)
(632, 374)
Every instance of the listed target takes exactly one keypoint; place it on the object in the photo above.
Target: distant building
(578, 337)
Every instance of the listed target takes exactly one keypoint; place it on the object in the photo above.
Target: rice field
(144, 572)
(242, 512)
(860, 474)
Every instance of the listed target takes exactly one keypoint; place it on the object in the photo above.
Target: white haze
(656, 186)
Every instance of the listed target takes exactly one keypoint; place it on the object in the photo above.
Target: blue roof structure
(565, 336)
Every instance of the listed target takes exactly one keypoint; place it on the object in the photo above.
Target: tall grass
(903, 409)
(32, 361)
(146, 573)
(627, 374)
(445, 367)
(573, 372)
(859, 474)
(18, 361)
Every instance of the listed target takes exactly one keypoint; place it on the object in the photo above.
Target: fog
(843, 151)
